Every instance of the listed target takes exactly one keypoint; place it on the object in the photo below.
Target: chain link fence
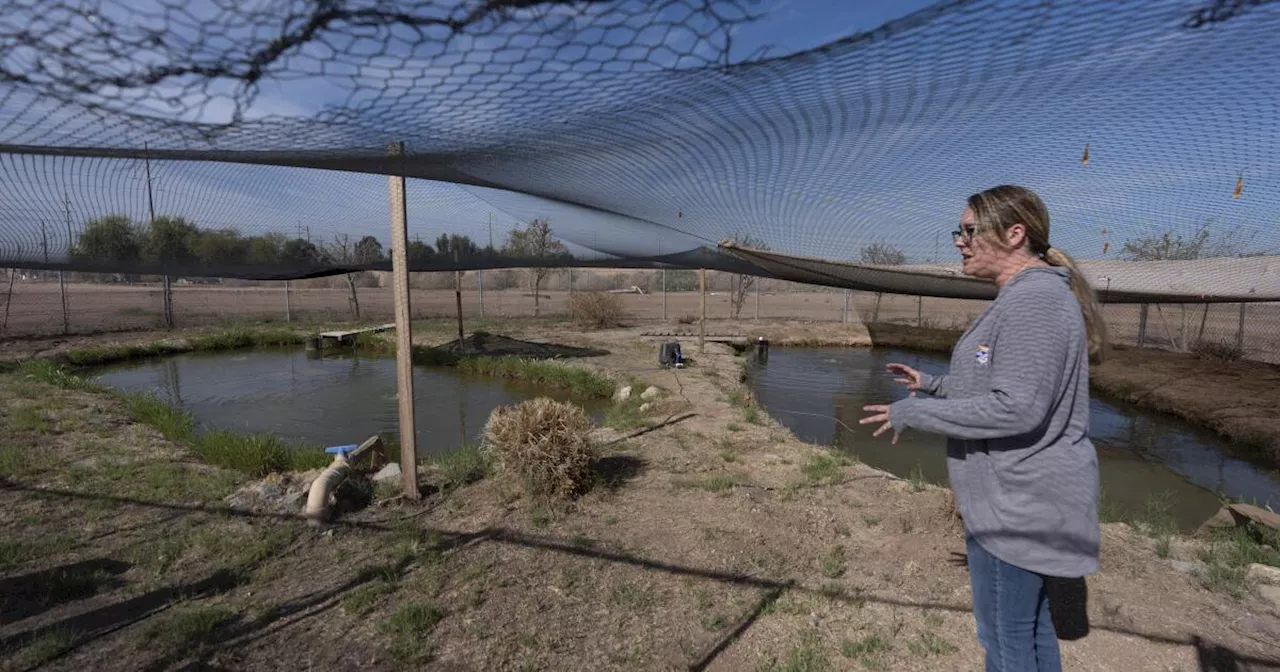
(35, 304)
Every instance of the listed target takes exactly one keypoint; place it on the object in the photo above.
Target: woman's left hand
(881, 415)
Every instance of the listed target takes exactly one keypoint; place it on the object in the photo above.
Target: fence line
(43, 305)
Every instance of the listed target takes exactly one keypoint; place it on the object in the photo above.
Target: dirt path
(714, 541)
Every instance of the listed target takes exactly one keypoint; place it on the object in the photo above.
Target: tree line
(175, 240)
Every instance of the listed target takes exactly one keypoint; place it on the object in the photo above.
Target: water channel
(818, 393)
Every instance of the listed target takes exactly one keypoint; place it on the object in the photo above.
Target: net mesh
(249, 140)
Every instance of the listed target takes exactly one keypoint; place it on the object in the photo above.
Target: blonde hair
(998, 208)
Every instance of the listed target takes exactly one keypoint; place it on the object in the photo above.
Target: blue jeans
(1012, 612)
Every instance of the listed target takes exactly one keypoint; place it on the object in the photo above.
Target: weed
(870, 650)
(825, 469)
(908, 525)
(717, 483)
(752, 415)
(806, 656)
(188, 630)
(52, 374)
(933, 619)
(462, 467)
(28, 419)
(930, 644)
(47, 646)
(1156, 518)
(254, 454)
(734, 427)
(545, 444)
(1220, 350)
(832, 564)
(362, 600)
(728, 456)
(871, 521)
(1164, 546)
(407, 626)
(916, 479)
(577, 380)
(625, 415)
(632, 596)
(15, 552)
(148, 409)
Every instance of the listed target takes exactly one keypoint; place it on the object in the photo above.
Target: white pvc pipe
(321, 498)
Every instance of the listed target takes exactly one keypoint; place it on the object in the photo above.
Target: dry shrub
(595, 310)
(1227, 352)
(545, 444)
(687, 319)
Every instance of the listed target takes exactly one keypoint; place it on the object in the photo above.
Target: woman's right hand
(908, 376)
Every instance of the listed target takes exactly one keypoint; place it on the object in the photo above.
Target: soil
(714, 540)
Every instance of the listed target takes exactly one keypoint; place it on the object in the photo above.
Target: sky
(878, 138)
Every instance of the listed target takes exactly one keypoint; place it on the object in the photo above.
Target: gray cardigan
(1015, 410)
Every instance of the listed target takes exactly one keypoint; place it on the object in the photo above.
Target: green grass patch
(576, 380)
(174, 423)
(1156, 517)
(825, 469)
(16, 552)
(832, 564)
(48, 372)
(462, 467)
(29, 419)
(227, 339)
(364, 599)
(916, 479)
(255, 454)
(47, 646)
(632, 596)
(1229, 553)
(625, 415)
(718, 483)
(407, 628)
(188, 630)
(806, 656)
(154, 481)
(870, 650)
(930, 644)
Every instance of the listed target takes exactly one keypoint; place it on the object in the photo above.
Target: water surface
(334, 400)
(818, 393)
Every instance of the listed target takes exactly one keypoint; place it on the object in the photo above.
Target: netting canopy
(251, 139)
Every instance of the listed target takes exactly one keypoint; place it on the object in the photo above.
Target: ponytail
(1095, 326)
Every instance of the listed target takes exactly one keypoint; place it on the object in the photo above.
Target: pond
(337, 399)
(1144, 458)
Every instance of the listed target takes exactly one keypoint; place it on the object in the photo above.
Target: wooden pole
(404, 334)
(664, 295)
(4, 327)
(457, 293)
(62, 286)
(920, 311)
(1204, 317)
(757, 298)
(1142, 326)
(288, 303)
(702, 321)
(1240, 330)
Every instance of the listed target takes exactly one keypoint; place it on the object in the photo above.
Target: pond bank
(713, 539)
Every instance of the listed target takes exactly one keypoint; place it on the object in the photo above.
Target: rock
(645, 408)
(623, 394)
(650, 392)
(1270, 594)
(1222, 518)
(1250, 512)
(387, 473)
(1264, 574)
(270, 491)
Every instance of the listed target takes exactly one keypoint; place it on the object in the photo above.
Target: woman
(1015, 410)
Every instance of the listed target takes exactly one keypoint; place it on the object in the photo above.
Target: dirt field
(714, 541)
(36, 310)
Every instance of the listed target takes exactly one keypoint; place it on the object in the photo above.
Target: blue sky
(877, 141)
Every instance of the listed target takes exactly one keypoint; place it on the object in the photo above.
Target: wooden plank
(404, 353)
(348, 333)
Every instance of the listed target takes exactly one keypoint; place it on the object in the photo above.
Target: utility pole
(151, 206)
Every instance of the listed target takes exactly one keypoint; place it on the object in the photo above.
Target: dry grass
(545, 444)
(595, 310)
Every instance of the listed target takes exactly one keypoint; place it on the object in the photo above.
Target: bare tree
(1172, 246)
(881, 254)
(342, 251)
(740, 284)
(534, 242)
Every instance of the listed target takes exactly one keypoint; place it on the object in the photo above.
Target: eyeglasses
(966, 233)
